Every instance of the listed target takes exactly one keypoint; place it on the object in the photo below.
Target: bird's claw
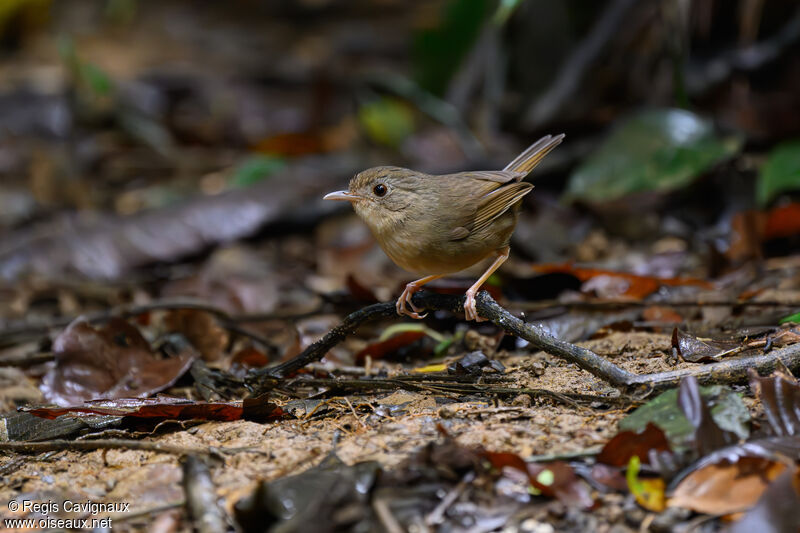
(405, 299)
(470, 309)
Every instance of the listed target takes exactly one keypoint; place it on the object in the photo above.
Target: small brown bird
(438, 225)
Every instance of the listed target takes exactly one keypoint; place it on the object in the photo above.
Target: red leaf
(384, 349)
(619, 450)
(168, 408)
(626, 285)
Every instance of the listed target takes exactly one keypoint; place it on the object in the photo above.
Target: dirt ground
(355, 430)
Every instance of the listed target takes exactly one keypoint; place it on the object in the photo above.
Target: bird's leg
(470, 311)
(408, 292)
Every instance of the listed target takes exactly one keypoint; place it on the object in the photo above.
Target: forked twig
(731, 371)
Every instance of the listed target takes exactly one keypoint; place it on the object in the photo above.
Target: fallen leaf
(708, 436)
(114, 361)
(694, 349)
(782, 221)
(657, 313)
(555, 479)
(776, 510)
(201, 329)
(724, 487)
(401, 345)
(648, 492)
(624, 285)
(312, 500)
(626, 444)
(729, 413)
(164, 407)
(779, 395)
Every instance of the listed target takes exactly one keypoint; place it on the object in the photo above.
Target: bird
(436, 225)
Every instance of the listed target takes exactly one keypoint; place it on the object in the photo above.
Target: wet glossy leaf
(657, 150)
(114, 361)
(254, 409)
(781, 172)
(694, 349)
(648, 492)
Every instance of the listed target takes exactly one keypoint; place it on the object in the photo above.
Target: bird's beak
(345, 196)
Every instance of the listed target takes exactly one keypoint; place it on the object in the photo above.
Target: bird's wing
(489, 206)
(495, 191)
(498, 202)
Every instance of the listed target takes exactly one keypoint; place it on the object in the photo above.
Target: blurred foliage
(387, 121)
(255, 169)
(781, 172)
(89, 78)
(657, 150)
(791, 319)
(24, 12)
(121, 11)
(438, 51)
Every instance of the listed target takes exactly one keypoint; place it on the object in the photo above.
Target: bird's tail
(527, 160)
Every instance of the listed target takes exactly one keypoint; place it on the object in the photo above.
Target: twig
(700, 78)
(723, 372)
(616, 304)
(436, 516)
(201, 497)
(109, 444)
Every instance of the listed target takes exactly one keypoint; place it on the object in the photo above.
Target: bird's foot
(470, 310)
(405, 299)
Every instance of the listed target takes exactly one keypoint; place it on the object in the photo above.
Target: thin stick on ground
(109, 444)
(731, 371)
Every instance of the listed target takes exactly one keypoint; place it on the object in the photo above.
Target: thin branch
(731, 371)
(201, 497)
(617, 304)
(111, 444)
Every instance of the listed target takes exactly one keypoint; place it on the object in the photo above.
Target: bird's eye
(380, 190)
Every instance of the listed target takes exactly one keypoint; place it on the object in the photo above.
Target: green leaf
(438, 51)
(728, 411)
(387, 121)
(781, 172)
(256, 169)
(795, 319)
(404, 327)
(649, 493)
(96, 79)
(657, 150)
